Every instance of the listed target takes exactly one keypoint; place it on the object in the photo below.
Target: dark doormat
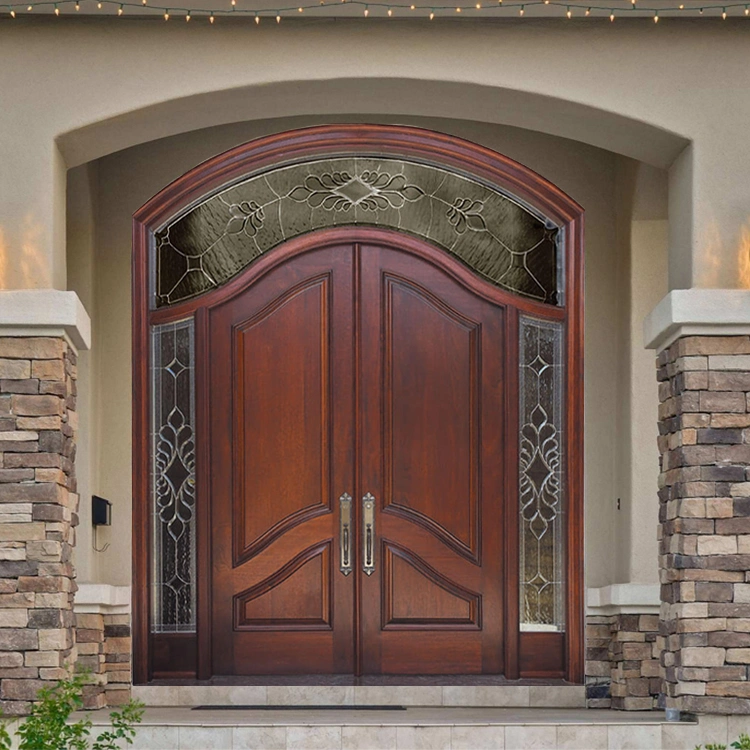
(299, 708)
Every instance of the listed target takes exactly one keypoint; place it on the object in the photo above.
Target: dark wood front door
(367, 370)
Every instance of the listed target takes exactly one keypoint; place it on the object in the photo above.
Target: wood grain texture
(518, 652)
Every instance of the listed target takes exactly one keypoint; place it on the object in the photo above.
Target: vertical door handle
(345, 508)
(368, 534)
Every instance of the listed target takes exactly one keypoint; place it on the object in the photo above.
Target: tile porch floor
(424, 728)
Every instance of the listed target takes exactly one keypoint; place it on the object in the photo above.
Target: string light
(391, 9)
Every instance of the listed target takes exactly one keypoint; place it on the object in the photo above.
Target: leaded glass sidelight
(173, 476)
(541, 447)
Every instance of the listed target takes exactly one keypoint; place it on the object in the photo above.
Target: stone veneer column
(38, 505)
(704, 493)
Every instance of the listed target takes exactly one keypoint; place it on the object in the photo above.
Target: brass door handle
(345, 513)
(368, 534)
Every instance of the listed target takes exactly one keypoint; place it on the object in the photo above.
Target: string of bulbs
(389, 9)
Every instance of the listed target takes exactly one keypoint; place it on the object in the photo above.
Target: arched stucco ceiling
(385, 96)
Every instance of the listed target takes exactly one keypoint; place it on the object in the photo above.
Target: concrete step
(433, 728)
(510, 696)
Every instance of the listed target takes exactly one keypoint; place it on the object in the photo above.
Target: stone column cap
(45, 312)
(697, 312)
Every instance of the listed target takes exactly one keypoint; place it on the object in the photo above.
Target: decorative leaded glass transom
(541, 378)
(173, 476)
(498, 237)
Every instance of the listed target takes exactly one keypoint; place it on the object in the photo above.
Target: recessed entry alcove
(358, 415)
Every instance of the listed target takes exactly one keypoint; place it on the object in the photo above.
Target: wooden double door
(358, 485)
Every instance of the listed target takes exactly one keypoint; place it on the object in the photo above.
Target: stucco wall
(100, 271)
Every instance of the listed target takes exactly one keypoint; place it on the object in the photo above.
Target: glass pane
(541, 480)
(173, 476)
(499, 237)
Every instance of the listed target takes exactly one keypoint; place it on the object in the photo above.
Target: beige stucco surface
(103, 196)
(672, 94)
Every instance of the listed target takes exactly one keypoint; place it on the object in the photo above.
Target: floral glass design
(500, 238)
(173, 476)
(541, 485)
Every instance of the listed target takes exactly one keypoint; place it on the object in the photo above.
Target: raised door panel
(281, 364)
(431, 366)
(297, 597)
(415, 595)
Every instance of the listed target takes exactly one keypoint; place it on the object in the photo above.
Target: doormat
(300, 708)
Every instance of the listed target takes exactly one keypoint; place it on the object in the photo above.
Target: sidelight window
(173, 476)
(541, 482)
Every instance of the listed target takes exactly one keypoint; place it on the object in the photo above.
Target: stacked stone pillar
(704, 441)
(38, 504)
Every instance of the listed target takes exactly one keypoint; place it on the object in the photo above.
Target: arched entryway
(358, 413)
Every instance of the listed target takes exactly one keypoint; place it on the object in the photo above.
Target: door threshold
(346, 680)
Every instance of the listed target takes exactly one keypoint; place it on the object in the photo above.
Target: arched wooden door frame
(451, 154)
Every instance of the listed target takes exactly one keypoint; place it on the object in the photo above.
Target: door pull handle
(368, 534)
(345, 513)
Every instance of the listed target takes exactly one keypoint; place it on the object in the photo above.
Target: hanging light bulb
(211, 18)
(166, 14)
(99, 5)
(412, 7)
(12, 13)
(390, 12)
(588, 12)
(300, 9)
(611, 16)
(458, 9)
(479, 6)
(367, 11)
(432, 15)
(569, 13)
(522, 11)
(747, 11)
(656, 16)
(57, 10)
(30, 8)
(78, 6)
(120, 11)
(257, 19)
(723, 14)
(188, 17)
(278, 18)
